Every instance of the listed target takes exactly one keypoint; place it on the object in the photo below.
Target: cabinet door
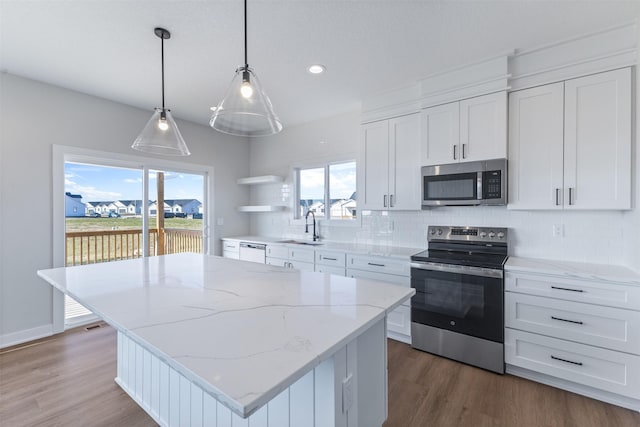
(535, 147)
(483, 127)
(440, 134)
(374, 177)
(597, 141)
(404, 163)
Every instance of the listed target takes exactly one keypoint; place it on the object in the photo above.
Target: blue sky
(97, 183)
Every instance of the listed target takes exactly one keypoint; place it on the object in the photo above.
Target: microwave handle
(479, 185)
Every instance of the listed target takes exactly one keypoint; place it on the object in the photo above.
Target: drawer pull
(577, 322)
(566, 361)
(375, 265)
(567, 289)
(330, 259)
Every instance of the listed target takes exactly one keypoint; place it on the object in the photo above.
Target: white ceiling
(107, 48)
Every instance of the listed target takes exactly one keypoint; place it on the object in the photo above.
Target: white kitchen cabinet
(231, 248)
(570, 144)
(464, 131)
(329, 261)
(578, 334)
(299, 258)
(394, 271)
(390, 166)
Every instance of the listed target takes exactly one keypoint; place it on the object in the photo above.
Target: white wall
(33, 117)
(588, 236)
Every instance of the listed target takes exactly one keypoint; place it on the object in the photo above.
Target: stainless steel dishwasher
(253, 252)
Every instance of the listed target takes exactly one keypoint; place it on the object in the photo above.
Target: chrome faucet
(306, 224)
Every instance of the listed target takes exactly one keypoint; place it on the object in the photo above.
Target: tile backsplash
(583, 236)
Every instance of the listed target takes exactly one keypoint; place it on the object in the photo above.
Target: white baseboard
(399, 337)
(19, 337)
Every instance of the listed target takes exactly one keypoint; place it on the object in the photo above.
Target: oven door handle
(458, 269)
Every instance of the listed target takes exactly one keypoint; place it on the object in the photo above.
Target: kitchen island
(204, 340)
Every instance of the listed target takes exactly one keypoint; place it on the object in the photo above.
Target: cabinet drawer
(607, 327)
(330, 269)
(608, 370)
(230, 245)
(277, 251)
(301, 265)
(399, 320)
(380, 277)
(379, 264)
(231, 254)
(592, 292)
(277, 261)
(303, 255)
(333, 258)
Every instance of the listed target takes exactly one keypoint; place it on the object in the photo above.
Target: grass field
(128, 223)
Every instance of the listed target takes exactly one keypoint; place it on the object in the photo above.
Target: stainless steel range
(458, 309)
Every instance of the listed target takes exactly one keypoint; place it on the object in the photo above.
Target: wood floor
(67, 380)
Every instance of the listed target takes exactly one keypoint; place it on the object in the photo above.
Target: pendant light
(161, 134)
(246, 109)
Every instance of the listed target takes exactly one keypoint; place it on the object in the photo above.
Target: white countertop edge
(616, 274)
(243, 411)
(399, 252)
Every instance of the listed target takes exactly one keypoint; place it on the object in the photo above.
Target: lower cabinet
(389, 270)
(284, 256)
(574, 334)
(231, 248)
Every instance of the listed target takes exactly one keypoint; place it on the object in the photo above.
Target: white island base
(348, 389)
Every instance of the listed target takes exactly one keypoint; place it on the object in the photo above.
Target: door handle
(464, 156)
(391, 200)
(454, 152)
(384, 201)
(570, 196)
(557, 197)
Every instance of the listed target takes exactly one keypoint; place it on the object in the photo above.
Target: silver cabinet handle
(454, 152)
(566, 289)
(391, 200)
(577, 322)
(464, 156)
(570, 196)
(384, 201)
(566, 361)
(375, 265)
(557, 197)
(330, 259)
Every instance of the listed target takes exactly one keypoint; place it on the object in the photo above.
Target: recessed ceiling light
(317, 69)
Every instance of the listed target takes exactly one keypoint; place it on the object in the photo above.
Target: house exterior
(73, 205)
(188, 206)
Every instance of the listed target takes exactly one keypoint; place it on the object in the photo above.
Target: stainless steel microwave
(460, 184)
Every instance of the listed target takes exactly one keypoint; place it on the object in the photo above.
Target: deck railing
(89, 247)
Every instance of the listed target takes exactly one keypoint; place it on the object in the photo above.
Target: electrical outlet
(558, 230)
(347, 393)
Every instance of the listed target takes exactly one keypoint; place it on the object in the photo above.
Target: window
(327, 191)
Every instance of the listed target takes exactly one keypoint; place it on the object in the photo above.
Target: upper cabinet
(570, 144)
(390, 165)
(468, 130)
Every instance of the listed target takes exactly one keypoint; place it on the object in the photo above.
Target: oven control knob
(452, 323)
(501, 235)
(492, 234)
(483, 234)
(433, 231)
(439, 231)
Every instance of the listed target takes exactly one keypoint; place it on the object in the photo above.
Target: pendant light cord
(246, 64)
(162, 61)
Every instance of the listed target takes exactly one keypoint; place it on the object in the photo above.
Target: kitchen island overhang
(241, 335)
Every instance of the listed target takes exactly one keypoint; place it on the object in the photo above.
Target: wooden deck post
(160, 214)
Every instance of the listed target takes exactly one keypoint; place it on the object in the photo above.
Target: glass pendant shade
(246, 109)
(161, 136)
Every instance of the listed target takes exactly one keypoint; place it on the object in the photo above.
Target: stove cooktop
(473, 259)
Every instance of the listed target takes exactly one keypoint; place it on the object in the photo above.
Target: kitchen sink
(300, 242)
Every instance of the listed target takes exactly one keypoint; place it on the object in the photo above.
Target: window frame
(326, 218)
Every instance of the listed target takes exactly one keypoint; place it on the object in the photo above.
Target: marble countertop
(356, 248)
(242, 331)
(574, 270)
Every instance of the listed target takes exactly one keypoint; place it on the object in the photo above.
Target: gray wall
(33, 117)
